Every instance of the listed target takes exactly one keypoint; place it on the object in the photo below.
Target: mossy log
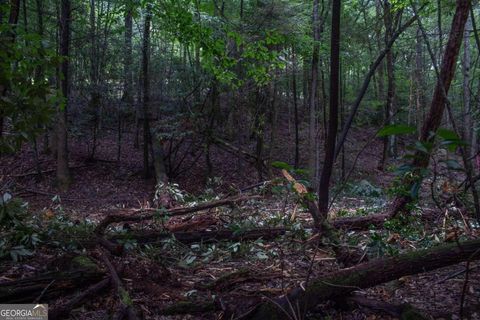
(366, 275)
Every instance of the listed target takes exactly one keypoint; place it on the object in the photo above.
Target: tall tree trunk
(146, 89)
(324, 186)
(381, 68)
(63, 171)
(388, 142)
(437, 106)
(127, 97)
(467, 107)
(295, 106)
(312, 129)
(420, 100)
(94, 103)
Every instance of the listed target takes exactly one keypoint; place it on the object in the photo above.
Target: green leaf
(447, 134)
(424, 147)
(281, 165)
(395, 129)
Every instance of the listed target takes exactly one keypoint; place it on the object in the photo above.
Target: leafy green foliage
(27, 99)
(18, 235)
(395, 129)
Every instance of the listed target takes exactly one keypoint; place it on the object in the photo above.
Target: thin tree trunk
(146, 90)
(388, 142)
(312, 129)
(94, 104)
(467, 107)
(420, 99)
(324, 185)
(63, 171)
(295, 106)
(127, 73)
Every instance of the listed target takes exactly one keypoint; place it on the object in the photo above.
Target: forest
(240, 159)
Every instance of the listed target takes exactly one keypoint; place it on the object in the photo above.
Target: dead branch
(114, 218)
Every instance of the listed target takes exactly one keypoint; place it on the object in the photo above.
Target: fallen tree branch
(123, 296)
(62, 311)
(359, 223)
(114, 218)
(363, 276)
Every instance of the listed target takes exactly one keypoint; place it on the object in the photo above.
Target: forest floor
(235, 273)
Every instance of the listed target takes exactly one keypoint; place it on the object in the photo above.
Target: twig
(43, 292)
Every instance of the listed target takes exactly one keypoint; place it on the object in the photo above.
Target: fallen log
(56, 284)
(114, 218)
(202, 236)
(360, 223)
(366, 275)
